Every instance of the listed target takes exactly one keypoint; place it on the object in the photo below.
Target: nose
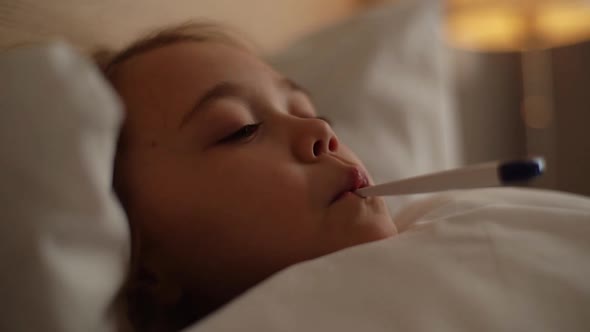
(313, 138)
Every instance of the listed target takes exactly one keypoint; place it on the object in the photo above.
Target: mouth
(356, 179)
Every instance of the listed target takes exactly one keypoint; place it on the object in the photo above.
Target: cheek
(259, 183)
(234, 198)
(257, 193)
(246, 211)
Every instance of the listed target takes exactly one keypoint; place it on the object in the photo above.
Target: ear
(152, 298)
(151, 295)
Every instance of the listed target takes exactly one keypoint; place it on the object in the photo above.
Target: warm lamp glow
(564, 24)
(518, 24)
(487, 27)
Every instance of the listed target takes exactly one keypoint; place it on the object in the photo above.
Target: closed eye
(241, 134)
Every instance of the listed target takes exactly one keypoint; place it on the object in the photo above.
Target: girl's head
(226, 172)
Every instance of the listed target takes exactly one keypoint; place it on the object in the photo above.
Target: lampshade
(509, 25)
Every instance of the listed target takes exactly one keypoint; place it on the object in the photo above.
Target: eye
(243, 133)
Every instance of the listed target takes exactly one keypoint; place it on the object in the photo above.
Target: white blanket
(484, 260)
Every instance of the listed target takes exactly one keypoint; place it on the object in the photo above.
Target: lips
(356, 179)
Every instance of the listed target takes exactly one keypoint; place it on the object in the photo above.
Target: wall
(272, 23)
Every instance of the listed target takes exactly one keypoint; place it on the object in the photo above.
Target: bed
(485, 260)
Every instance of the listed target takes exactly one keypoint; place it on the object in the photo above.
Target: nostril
(333, 144)
(317, 148)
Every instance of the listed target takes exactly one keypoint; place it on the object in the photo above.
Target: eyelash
(249, 130)
(243, 133)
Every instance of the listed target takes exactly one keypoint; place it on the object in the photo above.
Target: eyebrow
(234, 90)
(294, 86)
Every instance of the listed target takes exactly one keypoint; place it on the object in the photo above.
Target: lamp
(533, 29)
(508, 25)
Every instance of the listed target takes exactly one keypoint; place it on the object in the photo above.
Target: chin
(356, 236)
(377, 224)
(380, 229)
(371, 230)
(361, 221)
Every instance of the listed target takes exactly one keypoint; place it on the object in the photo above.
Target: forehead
(163, 83)
(189, 60)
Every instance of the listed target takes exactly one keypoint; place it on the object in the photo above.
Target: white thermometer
(491, 174)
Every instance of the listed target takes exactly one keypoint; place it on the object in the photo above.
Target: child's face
(228, 173)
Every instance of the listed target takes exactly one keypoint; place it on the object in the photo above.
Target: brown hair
(188, 31)
(150, 306)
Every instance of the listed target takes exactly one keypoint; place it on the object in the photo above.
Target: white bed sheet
(484, 260)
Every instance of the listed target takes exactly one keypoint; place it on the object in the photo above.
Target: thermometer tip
(522, 170)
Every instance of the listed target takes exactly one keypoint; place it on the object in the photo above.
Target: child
(227, 175)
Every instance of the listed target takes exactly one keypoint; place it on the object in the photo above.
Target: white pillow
(63, 237)
(482, 260)
(382, 77)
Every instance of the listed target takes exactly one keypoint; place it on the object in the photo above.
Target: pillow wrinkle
(64, 238)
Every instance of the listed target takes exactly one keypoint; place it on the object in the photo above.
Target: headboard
(112, 23)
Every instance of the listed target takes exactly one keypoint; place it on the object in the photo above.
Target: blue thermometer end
(521, 171)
